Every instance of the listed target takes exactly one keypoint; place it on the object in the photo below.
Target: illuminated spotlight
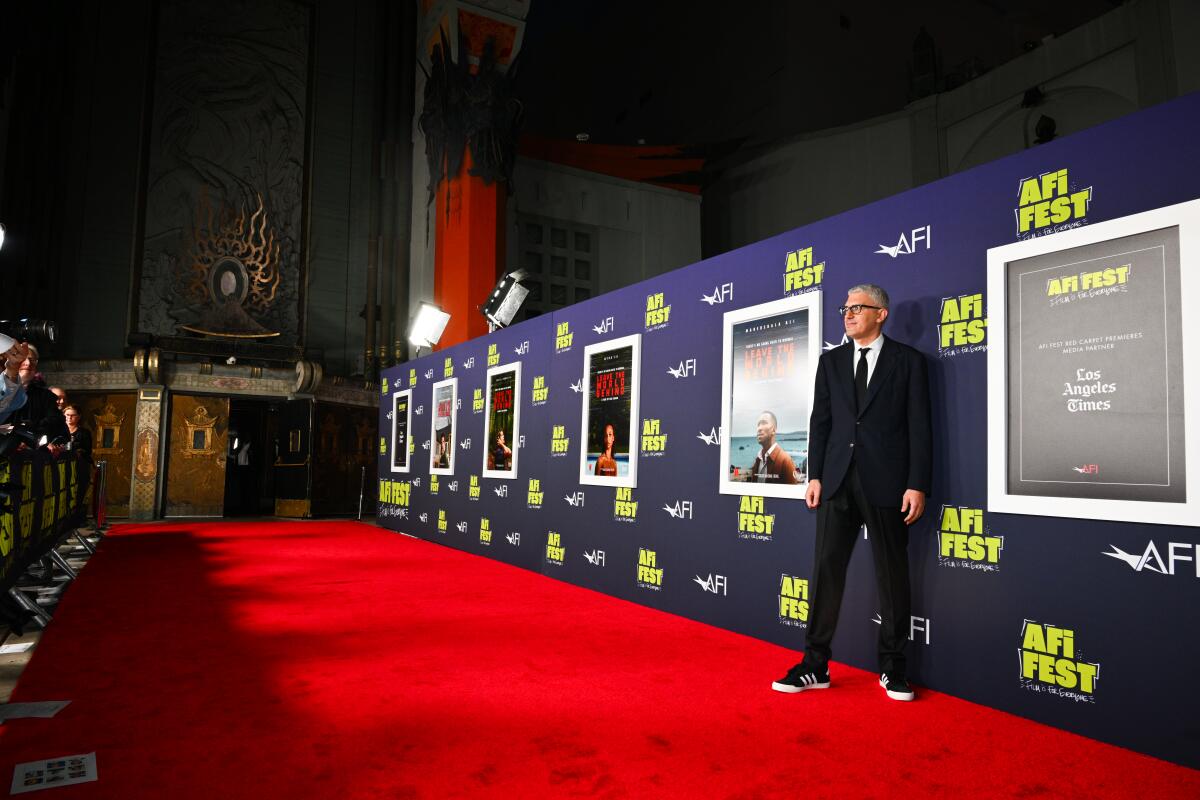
(427, 326)
(505, 300)
(1, 234)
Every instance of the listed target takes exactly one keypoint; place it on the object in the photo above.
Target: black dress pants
(838, 521)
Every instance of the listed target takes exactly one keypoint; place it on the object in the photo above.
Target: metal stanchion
(362, 488)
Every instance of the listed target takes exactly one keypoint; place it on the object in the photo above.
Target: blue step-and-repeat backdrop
(611, 444)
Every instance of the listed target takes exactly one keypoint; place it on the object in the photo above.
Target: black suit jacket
(891, 439)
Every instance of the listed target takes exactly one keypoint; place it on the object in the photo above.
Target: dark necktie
(860, 378)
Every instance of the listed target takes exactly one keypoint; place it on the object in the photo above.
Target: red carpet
(334, 660)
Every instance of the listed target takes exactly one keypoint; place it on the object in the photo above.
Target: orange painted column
(469, 250)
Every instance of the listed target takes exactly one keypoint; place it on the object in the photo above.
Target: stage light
(1, 235)
(505, 300)
(427, 326)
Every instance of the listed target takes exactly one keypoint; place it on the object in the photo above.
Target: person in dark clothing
(79, 441)
(40, 411)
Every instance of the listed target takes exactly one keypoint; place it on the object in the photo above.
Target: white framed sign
(502, 421)
(442, 428)
(1093, 392)
(609, 429)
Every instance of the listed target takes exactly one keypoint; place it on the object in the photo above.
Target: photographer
(40, 411)
(12, 393)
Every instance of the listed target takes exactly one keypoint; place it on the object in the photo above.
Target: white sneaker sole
(788, 688)
(902, 696)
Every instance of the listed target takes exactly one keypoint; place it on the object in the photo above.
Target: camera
(37, 331)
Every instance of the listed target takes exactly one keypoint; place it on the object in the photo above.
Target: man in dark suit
(870, 462)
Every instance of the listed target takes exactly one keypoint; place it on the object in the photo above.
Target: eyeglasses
(856, 309)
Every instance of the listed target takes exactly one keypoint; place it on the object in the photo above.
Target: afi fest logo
(575, 500)
(654, 441)
(595, 558)
(793, 601)
(555, 552)
(753, 520)
(443, 523)
(962, 325)
(559, 443)
(448, 368)
(916, 625)
(717, 584)
(412, 376)
(485, 531)
(800, 273)
(536, 495)
(658, 312)
(605, 326)
(681, 510)
(434, 484)
(964, 541)
(1048, 204)
(477, 401)
(624, 506)
(473, 488)
(720, 295)
(1151, 560)
(908, 245)
(541, 392)
(563, 337)
(493, 356)
(686, 369)
(712, 437)
(649, 573)
(1050, 664)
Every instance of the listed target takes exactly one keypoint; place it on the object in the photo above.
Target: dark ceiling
(700, 74)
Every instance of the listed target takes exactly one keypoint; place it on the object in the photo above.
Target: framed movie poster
(441, 432)
(611, 370)
(768, 365)
(1093, 391)
(503, 420)
(401, 425)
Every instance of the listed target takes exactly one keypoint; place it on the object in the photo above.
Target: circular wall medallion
(228, 281)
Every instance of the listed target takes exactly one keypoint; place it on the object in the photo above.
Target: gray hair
(878, 294)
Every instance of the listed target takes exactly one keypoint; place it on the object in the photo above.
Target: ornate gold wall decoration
(147, 455)
(200, 437)
(107, 441)
(234, 271)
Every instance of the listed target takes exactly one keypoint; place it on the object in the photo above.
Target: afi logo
(465, 444)
(908, 246)
(605, 326)
(521, 440)
(419, 410)
(502, 490)
(1151, 559)
(577, 386)
(470, 362)
(576, 500)
(428, 374)
(720, 294)
(681, 510)
(452, 486)
(424, 517)
(514, 539)
(685, 369)
(596, 558)
(1088, 469)
(416, 481)
(425, 445)
(522, 348)
(717, 584)
(712, 437)
(462, 526)
(916, 625)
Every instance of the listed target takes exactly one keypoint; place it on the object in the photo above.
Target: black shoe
(897, 687)
(801, 677)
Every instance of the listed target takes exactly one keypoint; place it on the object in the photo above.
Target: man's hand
(812, 495)
(14, 358)
(912, 506)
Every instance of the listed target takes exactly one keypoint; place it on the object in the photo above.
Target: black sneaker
(801, 677)
(897, 687)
